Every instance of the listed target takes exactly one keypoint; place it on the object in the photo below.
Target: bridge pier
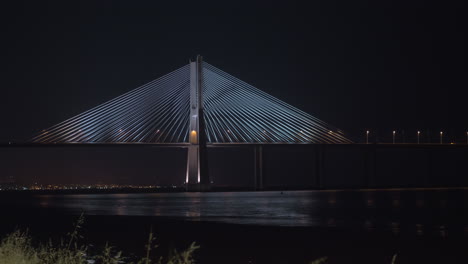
(319, 167)
(370, 159)
(258, 168)
(193, 173)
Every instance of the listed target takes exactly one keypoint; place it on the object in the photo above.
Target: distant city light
(58, 187)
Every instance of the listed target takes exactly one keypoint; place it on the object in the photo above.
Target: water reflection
(416, 212)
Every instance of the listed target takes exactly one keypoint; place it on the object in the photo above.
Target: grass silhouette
(17, 248)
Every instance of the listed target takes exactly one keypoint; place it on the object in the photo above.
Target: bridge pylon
(197, 178)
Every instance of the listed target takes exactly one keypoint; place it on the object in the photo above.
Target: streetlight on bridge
(419, 133)
(394, 132)
(441, 135)
(367, 136)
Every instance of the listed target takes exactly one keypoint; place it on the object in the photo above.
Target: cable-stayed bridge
(196, 105)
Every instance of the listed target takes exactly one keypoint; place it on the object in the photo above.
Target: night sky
(357, 65)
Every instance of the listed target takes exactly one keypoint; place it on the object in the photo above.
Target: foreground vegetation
(18, 248)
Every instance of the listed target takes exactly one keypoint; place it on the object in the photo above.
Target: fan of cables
(159, 111)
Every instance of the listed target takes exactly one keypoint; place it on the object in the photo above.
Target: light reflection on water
(417, 212)
(264, 208)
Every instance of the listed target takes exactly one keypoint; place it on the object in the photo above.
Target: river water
(419, 211)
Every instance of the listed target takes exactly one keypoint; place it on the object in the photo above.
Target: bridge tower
(197, 178)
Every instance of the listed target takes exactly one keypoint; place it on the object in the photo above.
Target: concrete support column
(258, 167)
(319, 167)
(370, 165)
(192, 177)
(428, 181)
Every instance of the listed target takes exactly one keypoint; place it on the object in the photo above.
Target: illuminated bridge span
(197, 104)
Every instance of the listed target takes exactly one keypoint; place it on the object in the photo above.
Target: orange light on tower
(193, 137)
